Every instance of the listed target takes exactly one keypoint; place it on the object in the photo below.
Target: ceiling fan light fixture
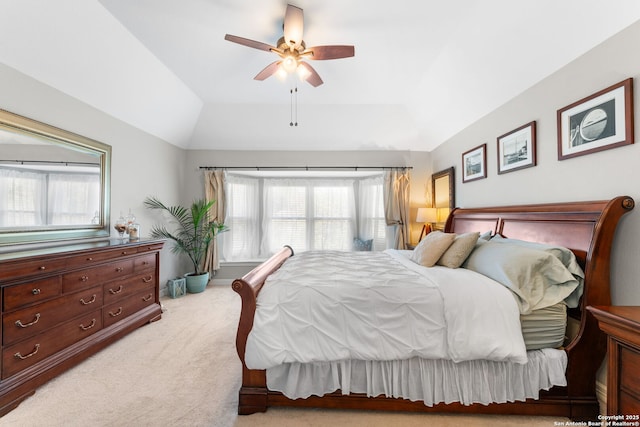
(281, 74)
(292, 50)
(303, 73)
(289, 63)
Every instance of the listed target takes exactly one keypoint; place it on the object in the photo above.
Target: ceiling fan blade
(268, 71)
(313, 77)
(249, 43)
(330, 52)
(293, 26)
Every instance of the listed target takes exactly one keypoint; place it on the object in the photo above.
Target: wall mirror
(443, 194)
(54, 184)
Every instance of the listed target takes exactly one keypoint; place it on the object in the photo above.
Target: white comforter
(331, 306)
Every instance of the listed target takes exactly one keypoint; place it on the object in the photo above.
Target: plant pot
(196, 283)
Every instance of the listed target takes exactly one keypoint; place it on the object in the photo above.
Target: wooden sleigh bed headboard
(587, 228)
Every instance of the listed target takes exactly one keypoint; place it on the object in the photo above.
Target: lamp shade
(427, 215)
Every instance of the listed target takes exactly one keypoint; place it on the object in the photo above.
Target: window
(40, 197)
(242, 241)
(305, 213)
(372, 224)
(308, 214)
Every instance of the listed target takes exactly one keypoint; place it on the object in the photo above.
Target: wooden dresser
(622, 325)
(60, 305)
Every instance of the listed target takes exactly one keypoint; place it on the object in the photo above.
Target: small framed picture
(517, 149)
(474, 164)
(598, 122)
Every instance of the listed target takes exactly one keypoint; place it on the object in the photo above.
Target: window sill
(243, 263)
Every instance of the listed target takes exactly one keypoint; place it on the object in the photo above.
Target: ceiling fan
(292, 49)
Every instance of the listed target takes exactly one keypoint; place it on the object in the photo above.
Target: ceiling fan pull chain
(296, 109)
(291, 107)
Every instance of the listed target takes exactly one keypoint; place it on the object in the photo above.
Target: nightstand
(622, 325)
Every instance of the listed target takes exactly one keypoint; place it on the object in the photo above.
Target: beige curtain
(214, 190)
(396, 205)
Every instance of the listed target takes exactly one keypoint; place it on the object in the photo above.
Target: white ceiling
(423, 69)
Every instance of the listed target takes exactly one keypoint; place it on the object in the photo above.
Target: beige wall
(596, 176)
(141, 164)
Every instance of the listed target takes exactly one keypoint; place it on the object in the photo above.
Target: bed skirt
(430, 381)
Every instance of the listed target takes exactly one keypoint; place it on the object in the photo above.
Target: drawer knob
(84, 278)
(119, 269)
(117, 313)
(91, 325)
(42, 267)
(145, 280)
(147, 298)
(91, 301)
(89, 259)
(117, 291)
(26, 325)
(124, 252)
(35, 291)
(26, 356)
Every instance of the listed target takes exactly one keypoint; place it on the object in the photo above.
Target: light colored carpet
(184, 371)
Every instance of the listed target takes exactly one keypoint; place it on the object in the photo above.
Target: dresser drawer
(82, 279)
(629, 363)
(150, 247)
(31, 293)
(628, 404)
(26, 322)
(115, 291)
(146, 262)
(28, 352)
(15, 270)
(120, 310)
(91, 258)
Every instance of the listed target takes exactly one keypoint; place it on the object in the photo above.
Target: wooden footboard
(587, 228)
(253, 393)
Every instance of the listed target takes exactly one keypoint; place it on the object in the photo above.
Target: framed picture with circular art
(598, 122)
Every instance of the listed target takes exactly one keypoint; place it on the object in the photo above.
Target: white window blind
(308, 214)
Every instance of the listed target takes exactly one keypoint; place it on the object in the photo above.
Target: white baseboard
(601, 395)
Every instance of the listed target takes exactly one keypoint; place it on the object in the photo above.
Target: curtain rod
(308, 168)
(49, 162)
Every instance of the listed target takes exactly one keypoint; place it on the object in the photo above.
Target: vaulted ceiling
(423, 69)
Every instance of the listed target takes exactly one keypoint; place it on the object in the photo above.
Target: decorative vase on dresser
(62, 304)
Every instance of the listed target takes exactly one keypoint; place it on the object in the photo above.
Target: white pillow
(431, 248)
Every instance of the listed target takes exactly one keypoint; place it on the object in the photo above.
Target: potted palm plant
(192, 236)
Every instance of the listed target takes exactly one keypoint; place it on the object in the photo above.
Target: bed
(586, 228)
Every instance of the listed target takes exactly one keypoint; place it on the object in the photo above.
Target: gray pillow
(565, 255)
(362, 245)
(537, 278)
